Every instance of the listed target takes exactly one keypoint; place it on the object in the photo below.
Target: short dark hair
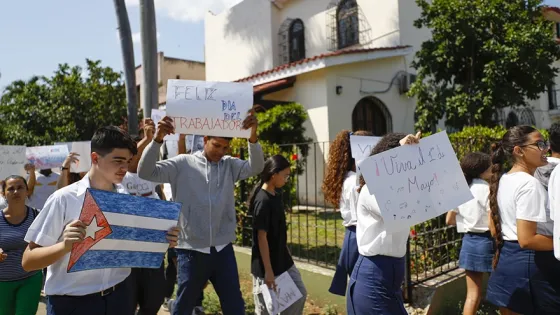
(554, 137)
(106, 139)
(225, 138)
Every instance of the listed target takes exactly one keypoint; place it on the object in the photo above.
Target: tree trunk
(127, 50)
(149, 56)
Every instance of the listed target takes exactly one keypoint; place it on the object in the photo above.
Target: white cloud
(188, 10)
(136, 37)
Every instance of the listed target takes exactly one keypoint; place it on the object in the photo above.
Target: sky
(37, 35)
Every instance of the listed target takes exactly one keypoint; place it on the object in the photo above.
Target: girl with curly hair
(526, 275)
(340, 188)
(375, 283)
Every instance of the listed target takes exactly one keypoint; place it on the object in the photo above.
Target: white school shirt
(349, 200)
(45, 186)
(554, 198)
(523, 197)
(371, 235)
(472, 216)
(137, 186)
(63, 207)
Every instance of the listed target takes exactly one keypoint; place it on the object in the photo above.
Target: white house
(346, 61)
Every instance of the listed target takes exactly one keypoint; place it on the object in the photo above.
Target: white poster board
(12, 160)
(415, 183)
(47, 157)
(209, 108)
(287, 293)
(157, 115)
(362, 145)
(83, 148)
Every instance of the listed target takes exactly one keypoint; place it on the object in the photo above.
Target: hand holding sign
(73, 233)
(173, 236)
(149, 128)
(164, 128)
(71, 158)
(411, 139)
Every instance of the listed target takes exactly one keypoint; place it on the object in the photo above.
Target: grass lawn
(315, 237)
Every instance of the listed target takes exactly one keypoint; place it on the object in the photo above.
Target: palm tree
(128, 65)
(149, 55)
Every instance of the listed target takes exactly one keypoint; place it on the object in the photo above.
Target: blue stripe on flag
(100, 259)
(135, 205)
(137, 234)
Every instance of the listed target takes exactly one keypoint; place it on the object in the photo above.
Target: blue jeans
(196, 268)
(117, 302)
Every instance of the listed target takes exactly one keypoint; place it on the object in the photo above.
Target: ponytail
(498, 159)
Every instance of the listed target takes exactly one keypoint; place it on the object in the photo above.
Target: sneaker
(170, 305)
(199, 310)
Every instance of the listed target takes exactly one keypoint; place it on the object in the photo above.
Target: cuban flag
(123, 231)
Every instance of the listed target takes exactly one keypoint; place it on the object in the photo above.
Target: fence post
(243, 192)
(407, 275)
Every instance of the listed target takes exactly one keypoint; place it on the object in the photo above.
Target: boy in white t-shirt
(57, 228)
(45, 186)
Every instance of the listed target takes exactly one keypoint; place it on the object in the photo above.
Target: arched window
(347, 24)
(371, 114)
(296, 36)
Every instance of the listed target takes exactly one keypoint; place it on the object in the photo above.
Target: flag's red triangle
(90, 209)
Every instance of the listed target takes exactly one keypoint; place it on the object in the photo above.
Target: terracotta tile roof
(552, 9)
(321, 56)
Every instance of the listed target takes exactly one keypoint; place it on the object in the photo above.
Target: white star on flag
(92, 228)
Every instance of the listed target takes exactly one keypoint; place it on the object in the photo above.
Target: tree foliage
(483, 55)
(68, 106)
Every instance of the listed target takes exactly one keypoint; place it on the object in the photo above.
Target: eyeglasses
(542, 145)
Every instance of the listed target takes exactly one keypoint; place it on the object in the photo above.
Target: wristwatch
(64, 168)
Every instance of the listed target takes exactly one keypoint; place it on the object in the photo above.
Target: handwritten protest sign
(209, 108)
(46, 157)
(157, 115)
(414, 183)
(361, 146)
(83, 148)
(287, 293)
(12, 160)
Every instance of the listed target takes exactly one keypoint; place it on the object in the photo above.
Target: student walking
(57, 228)
(204, 183)
(270, 256)
(472, 219)
(19, 289)
(526, 274)
(375, 284)
(340, 187)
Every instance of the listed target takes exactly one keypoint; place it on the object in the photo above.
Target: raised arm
(255, 164)
(148, 167)
(149, 130)
(32, 180)
(182, 144)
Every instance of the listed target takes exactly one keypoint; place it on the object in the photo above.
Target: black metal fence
(315, 230)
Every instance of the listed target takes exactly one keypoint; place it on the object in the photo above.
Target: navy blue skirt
(477, 251)
(346, 261)
(375, 286)
(545, 284)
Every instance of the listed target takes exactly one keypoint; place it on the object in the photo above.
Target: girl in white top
(375, 284)
(340, 188)
(525, 277)
(472, 218)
